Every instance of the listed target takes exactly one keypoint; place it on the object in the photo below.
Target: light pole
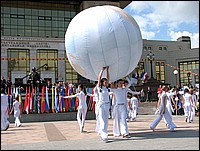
(151, 57)
(176, 73)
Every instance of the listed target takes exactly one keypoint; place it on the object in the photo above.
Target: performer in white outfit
(96, 99)
(187, 104)
(17, 111)
(161, 107)
(194, 102)
(133, 107)
(120, 109)
(104, 104)
(170, 100)
(82, 107)
(4, 111)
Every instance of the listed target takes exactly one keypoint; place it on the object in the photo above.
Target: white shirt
(82, 98)
(16, 105)
(186, 97)
(103, 95)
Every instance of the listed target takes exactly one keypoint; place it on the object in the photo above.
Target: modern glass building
(32, 35)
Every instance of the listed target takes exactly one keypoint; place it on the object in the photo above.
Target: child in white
(4, 111)
(161, 106)
(133, 108)
(82, 107)
(120, 109)
(17, 112)
(187, 104)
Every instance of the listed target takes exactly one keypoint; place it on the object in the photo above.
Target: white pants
(133, 113)
(81, 112)
(188, 111)
(193, 113)
(17, 117)
(167, 118)
(120, 113)
(97, 117)
(169, 108)
(103, 120)
(4, 119)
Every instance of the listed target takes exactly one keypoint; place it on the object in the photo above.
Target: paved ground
(65, 135)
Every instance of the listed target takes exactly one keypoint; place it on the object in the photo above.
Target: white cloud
(172, 13)
(155, 16)
(148, 34)
(193, 36)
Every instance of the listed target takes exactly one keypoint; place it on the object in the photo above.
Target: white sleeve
(72, 96)
(129, 83)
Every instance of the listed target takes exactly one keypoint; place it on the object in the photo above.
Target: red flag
(76, 103)
(43, 101)
(26, 102)
(93, 102)
(66, 100)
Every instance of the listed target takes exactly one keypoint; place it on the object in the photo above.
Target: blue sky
(166, 20)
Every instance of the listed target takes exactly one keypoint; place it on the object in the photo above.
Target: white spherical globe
(103, 36)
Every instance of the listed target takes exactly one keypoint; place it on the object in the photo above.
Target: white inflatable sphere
(103, 36)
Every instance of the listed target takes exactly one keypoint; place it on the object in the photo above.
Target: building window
(18, 60)
(160, 71)
(160, 48)
(149, 48)
(186, 67)
(71, 74)
(35, 19)
(164, 48)
(145, 48)
(48, 57)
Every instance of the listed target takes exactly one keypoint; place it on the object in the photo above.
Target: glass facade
(71, 74)
(18, 60)
(186, 67)
(38, 19)
(48, 57)
(34, 19)
(160, 71)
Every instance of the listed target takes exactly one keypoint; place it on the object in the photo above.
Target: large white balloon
(103, 36)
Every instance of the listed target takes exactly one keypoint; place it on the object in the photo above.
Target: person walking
(162, 111)
(187, 105)
(194, 101)
(170, 100)
(4, 110)
(17, 111)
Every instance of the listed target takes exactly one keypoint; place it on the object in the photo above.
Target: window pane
(35, 12)
(27, 11)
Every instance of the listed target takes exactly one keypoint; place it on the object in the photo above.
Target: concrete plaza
(65, 135)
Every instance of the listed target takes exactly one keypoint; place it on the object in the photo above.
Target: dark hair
(101, 84)
(103, 80)
(186, 90)
(17, 97)
(82, 88)
(120, 80)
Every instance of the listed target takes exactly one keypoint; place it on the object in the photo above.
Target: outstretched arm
(129, 82)
(71, 96)
(108, 75)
